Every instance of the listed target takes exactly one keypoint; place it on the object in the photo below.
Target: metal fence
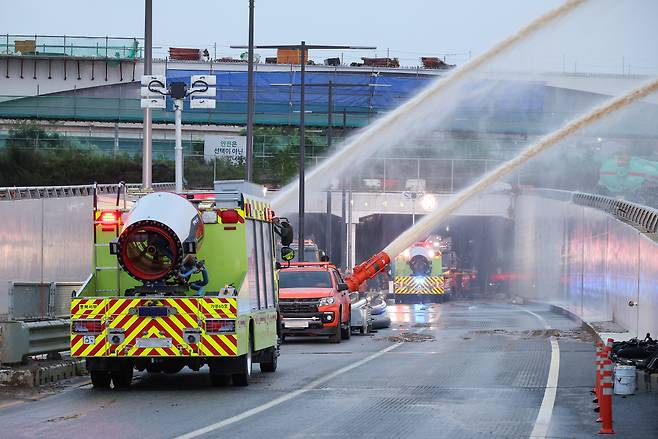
(71, 46)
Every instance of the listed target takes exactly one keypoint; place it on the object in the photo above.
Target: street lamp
(303, 47)
(413, 195)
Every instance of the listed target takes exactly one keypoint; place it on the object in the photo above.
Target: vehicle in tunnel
(314, 300)
(418, 273)
(181, 280)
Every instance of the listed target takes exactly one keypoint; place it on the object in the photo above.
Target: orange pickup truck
(314, 300)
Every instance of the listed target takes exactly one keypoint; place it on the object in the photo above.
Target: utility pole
(303, 47)
(249, 165)
(178, 149)
(147, 179)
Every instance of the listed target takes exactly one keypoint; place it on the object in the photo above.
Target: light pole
(148, 70)
(413, 195)
(302, 48)
(249, 164)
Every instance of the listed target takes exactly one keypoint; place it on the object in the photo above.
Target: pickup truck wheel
(346, 330)
(100, 379)
(242, 379)
(271, 360)
(335, 338)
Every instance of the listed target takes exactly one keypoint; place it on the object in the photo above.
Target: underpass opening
(478, 244)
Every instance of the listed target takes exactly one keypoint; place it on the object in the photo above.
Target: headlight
(326, 301)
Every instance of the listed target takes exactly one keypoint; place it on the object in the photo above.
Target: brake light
(230, 216)
(109, 220)
(87, 327)
(220, 326)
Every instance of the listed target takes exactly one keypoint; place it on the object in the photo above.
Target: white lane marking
(543, 420)
(287, 397)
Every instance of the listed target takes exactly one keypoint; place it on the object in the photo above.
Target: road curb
(38, 374)
(645, 382)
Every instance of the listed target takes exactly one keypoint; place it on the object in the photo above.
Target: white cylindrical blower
(160, 230)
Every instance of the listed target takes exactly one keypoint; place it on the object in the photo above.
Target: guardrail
(36, 192)
(71, 46)
(37, 322)
(643, 218)
(19, 340)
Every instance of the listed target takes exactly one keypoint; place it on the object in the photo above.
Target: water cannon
(159, 234)
(367, 270)
(420, 260)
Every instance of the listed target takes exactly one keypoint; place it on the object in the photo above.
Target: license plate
(153, 342)
(295, 323)
(89, 339)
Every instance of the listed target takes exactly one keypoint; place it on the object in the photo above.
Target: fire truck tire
(336, 336)
(270, 357)
(218, 380)
(100, 379)
(242, 379)
(346, 330)
(122, 378)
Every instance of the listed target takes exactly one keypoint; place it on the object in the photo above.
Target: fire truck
(418, 273)
(181, 280)
(425, 272)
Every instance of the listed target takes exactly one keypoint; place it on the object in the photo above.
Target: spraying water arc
(425, 226)
(394, 126)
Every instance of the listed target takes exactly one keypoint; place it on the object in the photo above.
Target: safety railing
(643, 218)
(71, 46)
(37, 192)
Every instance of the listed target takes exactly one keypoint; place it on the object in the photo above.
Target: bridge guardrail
(643, 218)
(36, 192)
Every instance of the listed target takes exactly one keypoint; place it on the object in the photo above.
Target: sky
(408, 29)
(602, 36)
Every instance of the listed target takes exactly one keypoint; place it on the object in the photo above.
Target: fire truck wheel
(219, 379)
(346, 330)
(242, 379)
(335, 338)
(122, 378)
(271, 360)
(100, 379)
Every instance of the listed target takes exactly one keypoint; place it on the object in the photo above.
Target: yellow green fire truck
(181, 280)
(418, 273)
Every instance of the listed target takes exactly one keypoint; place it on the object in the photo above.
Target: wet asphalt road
(482, 374)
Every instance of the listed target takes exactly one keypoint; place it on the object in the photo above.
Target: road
(481, 373)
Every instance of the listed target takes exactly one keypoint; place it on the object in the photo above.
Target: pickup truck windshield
(304, 279)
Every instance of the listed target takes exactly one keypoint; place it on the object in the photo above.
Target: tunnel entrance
(479, 243)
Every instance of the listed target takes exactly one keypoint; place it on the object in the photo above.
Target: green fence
(71, 46)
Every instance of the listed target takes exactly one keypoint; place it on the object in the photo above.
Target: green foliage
(35, 157)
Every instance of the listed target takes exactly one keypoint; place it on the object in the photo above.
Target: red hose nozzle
(367, 270)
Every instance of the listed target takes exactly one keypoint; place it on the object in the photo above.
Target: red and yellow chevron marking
(414, 285)
(218, 345)
(121, 314)
(87, 308)
(218, 307)
(89, 346)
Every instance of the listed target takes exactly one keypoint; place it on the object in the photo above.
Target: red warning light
(109, 220)
(230, 216)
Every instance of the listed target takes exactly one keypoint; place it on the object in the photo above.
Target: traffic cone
(606, 398)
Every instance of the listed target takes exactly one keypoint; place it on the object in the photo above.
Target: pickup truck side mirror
(343, 287)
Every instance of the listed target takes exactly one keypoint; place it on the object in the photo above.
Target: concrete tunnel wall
(587, 261)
